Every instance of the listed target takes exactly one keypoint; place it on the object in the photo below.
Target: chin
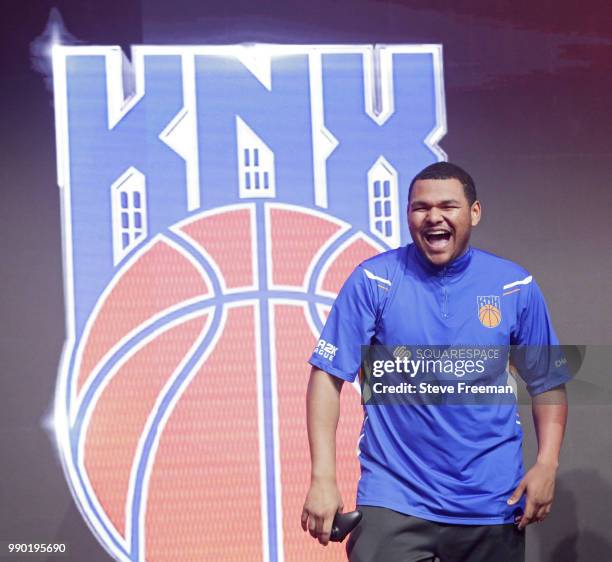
(441, 258)
(438, 259)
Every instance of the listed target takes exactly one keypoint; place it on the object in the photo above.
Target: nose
(434, 216)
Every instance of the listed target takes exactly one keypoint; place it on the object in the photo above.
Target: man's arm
(549, 411)
(322, 413)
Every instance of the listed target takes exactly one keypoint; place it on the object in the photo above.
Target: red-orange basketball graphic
(187, 437)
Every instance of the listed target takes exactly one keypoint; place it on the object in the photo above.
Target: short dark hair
(445, 171)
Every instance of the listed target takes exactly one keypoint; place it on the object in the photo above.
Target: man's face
(440, 219)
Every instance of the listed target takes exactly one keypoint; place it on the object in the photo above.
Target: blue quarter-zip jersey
(455, 464)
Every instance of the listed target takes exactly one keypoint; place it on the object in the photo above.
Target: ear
(475, 213)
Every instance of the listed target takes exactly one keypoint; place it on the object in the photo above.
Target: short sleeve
(537, 354)
(350, 324)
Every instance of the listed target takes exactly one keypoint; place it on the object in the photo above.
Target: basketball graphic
(213, 204)
(166, 391)
(489, 312)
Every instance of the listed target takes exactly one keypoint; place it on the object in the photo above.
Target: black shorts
(384, 535)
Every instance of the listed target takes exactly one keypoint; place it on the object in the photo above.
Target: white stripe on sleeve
(370, 275)
(525, 281)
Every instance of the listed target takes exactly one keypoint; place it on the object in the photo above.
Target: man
(436, 481)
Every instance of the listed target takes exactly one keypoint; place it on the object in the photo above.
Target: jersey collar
(455, 267)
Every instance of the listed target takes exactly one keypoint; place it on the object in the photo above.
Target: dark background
(527, 96)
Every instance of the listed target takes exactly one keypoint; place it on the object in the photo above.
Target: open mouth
(437, 239)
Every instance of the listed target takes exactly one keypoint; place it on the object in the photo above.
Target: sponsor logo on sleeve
(325, 350)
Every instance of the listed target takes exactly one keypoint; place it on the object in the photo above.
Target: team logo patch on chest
(489, 311)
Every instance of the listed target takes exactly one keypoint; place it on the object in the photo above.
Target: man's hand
(322, 412)
(322, 503)
(539, 485)
(549, 415)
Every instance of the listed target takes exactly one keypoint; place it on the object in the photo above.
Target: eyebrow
(440, 203)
